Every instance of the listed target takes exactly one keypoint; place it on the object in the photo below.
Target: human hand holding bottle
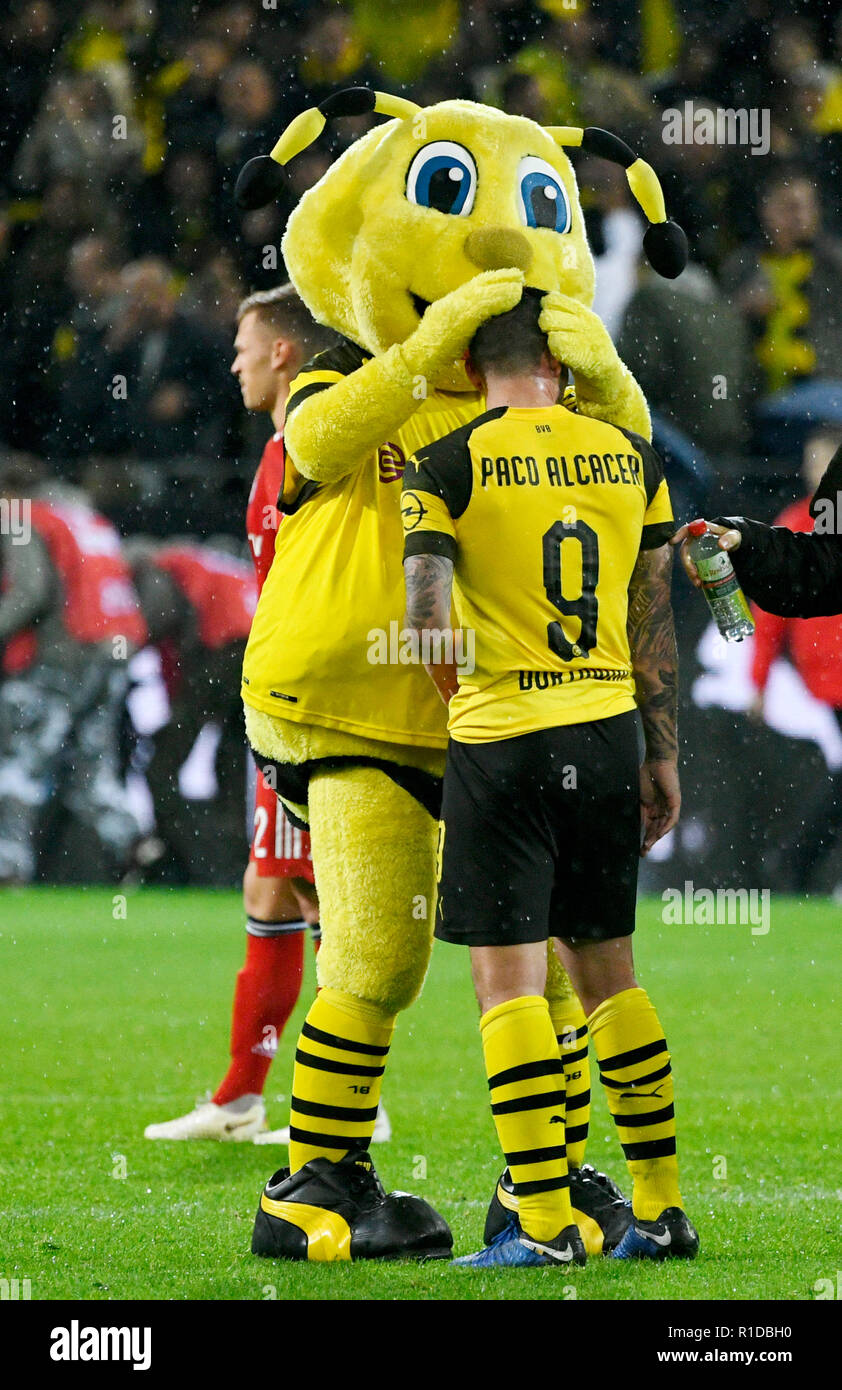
(728, 540)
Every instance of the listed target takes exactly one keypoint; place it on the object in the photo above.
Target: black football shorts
(540, 836)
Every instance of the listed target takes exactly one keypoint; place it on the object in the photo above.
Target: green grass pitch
(109, 1023)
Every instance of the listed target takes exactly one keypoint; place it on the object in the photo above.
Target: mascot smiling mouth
(420, 305)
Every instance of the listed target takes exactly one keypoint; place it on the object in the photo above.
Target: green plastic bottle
(720, 585)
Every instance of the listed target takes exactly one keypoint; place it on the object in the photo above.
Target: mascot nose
(497, 248)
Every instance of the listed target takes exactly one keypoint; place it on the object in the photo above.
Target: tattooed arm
(655, 663)
(429, 580)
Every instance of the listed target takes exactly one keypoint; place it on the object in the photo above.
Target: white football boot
(382, 1131)
(235, 1123)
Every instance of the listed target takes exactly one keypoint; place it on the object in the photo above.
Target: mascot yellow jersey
(334, 598)
(544, 514)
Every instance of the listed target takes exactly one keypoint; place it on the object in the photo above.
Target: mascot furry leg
(377, 931)
(377, 907)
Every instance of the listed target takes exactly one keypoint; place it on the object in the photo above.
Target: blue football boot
(512, 1247)
(672, 1236)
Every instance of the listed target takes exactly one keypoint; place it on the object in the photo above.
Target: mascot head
(418, 206)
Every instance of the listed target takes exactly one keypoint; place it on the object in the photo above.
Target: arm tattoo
(653, 652)
(429, 579)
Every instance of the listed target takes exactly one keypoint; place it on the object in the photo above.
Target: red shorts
(278, 848)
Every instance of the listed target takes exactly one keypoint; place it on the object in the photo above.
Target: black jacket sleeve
(795, 574)
(792, 573)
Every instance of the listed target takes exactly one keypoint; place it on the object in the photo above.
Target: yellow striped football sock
(526, 1081)
(339, 1065)
(571, 1030)
(634, 1067)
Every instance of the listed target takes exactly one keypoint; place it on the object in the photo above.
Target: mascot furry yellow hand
(421, 231)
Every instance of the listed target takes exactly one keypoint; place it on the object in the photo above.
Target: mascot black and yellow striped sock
(526, 1081)
(339, 1065)
(571, 1030)
(634, 1067)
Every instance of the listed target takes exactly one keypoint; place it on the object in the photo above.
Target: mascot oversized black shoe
(339, 1211)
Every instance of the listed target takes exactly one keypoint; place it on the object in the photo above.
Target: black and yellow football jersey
(544, 513)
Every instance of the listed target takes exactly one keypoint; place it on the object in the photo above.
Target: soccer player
(550, 533)
(275, 335)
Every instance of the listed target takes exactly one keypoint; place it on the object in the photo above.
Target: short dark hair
(283, 311)
(510, 342)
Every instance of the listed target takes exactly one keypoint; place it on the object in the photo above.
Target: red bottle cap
(697, 528)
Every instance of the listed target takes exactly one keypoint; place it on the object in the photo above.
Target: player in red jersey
(275, 336)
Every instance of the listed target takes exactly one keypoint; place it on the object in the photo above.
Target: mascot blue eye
(443, 176)
(541, 195)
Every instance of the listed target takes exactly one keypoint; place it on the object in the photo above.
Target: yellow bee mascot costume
(422, 230)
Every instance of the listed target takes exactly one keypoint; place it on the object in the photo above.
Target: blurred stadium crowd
(123, 124)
